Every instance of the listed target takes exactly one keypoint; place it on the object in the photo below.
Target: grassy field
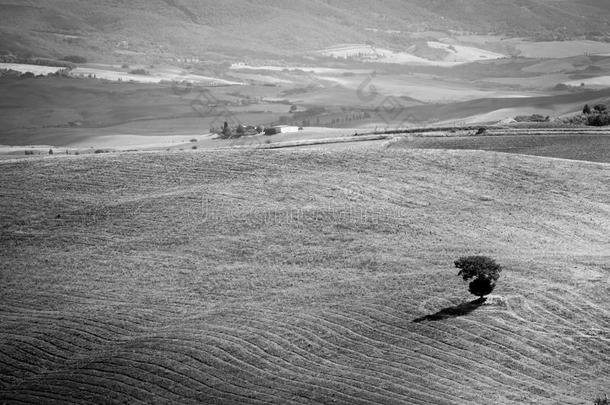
(300, 277)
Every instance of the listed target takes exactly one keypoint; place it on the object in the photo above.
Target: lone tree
(226, 130)
(240, 130)
(484, 271)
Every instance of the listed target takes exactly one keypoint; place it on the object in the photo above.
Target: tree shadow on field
(453, 312)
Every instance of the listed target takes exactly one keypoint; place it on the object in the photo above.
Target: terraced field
(299, 277)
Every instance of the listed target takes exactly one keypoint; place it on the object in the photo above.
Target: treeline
(14, 74)
(236, 131)
(597, 116)
(319, 116)
(68, 62)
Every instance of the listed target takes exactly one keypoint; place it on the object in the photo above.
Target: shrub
(601, 401)
(29, 152)
(194, 147)
(484, 271)
(532, 118)
(586, 109)
(578, 119)
(193, 140)
(481, 131)
(142, 72)
(227, 132)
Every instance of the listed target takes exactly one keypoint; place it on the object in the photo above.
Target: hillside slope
(303, 277)
(169, 28)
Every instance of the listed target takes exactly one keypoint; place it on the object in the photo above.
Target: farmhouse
(281, 129)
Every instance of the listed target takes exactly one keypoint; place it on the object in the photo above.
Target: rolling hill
(302, 277)
(174, 28)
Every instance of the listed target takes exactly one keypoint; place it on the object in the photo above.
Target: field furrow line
(66, 392)
(454, 348)
(95, 332)
(298, 370)
(496, 323)
(542, 332)
(62, 339)
(521, 308)
(394, 370)
(511, 365)
(538, 371)
(218, 363)
(40, 342)
(33, 352)
(408, 371)
(505, 332)
(544, 350)
(259, 390)
(541, 379)
(531, 314)
(109, 326)
(102, 376)
(587, 315)
(463, 362)
(115, 373)
(557, 320)
(391, 336)
(36, 397)
(82, 335)
(165, 386)
(216, 349)
(17, 401)
(292, 349)
(17, 364)
(97, 393)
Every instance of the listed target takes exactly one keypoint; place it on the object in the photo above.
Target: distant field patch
(153, 77)
(35, 69)
(461, 53)
(308, 69)
(601, 81)
(368, 53)
(594, 148)
(561, 49)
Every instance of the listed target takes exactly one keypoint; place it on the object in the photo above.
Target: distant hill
(138, 29)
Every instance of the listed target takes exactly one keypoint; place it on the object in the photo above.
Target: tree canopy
(483, 271)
